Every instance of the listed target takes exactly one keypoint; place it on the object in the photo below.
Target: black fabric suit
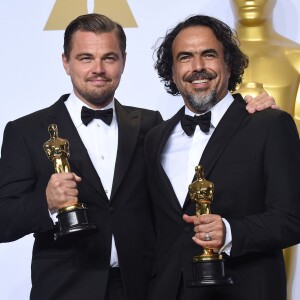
(254, 162)
(79, 269)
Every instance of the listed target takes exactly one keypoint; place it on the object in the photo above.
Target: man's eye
(210, 55)
(85, 59)
(110, 58)
(184, 57)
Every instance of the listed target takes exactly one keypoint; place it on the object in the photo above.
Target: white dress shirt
(101, 142)
(182, 154)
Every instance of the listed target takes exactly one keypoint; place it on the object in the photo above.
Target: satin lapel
(224, 132)
(79, 160)
(222, 135)
(129, 123)
(169, 126)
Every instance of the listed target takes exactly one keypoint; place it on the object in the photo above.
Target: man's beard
(97, 98)
(201, 102)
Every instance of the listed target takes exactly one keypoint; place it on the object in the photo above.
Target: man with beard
(108, 175)
(253, 162)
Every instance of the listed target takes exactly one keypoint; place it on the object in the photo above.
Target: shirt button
(102, 156)
(98, 125)
(106, 191)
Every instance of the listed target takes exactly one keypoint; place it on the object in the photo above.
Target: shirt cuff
(228, 239)
(53, 216)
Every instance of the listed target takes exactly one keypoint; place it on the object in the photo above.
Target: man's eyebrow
(83, 54)
(183, 53)
(210, 50)
(112, 53)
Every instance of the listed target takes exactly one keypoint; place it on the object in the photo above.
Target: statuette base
(73, 223)
(209, 273)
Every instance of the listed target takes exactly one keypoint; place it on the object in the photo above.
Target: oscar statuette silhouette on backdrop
(208, 267)
(274, 60)
(72, 220)
(64, 11)
(274, 66)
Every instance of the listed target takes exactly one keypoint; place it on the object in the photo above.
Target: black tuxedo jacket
(79, 269)
(254, 163)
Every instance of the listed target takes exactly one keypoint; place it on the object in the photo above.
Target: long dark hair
(235, 59)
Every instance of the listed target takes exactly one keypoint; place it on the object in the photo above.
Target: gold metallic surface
(71, 208)
(57, 150)
(250, 88)
(201, 192)
(273, 59)
(290, 255)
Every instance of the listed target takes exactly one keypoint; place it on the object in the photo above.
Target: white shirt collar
(74, 106)
(217, 111)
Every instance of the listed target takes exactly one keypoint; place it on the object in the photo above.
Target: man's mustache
(200, 75)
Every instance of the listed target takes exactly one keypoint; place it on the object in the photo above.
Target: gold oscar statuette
(274, 60)
(250, 88)
(208, 267)
(72, 220)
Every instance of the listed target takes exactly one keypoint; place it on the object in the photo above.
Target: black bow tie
(87, 115)
(189, 123)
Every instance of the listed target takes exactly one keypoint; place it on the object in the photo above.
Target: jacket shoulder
(36, 115)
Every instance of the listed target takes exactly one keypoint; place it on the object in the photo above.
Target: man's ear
(65, 63)
(124, 61)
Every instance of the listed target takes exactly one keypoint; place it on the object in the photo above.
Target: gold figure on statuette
(201, 192)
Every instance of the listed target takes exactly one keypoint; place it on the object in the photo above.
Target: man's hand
(211, 224)
(260, 102)
(62, 191)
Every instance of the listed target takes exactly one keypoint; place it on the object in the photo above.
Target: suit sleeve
(23, 206)
(278, 226)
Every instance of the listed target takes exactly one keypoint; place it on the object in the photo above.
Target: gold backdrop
(274, 65)
(64, 11)
(274, 60)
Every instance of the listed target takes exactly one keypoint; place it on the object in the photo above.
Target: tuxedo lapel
(223, 133)
(79, 160)
(221, 136)
(129, 123)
